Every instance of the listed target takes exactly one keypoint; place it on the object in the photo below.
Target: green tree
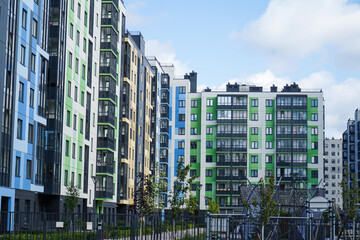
(181, 189)
(350, 194)
(265, 206)
(213, 207)
(71, 197)
(191, 204)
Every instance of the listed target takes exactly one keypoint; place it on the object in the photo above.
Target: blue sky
(314, 43)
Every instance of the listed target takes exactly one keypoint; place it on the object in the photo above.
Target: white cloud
(341, 99)
(165, 53)
(298, 28)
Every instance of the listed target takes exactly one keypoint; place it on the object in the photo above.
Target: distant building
(333, 173)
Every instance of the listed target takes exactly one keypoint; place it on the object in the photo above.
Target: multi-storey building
(107, 147)
(136, 115)
(333, 169)
(244, 134)
(23, 66)
(72, 105)
(350, 147)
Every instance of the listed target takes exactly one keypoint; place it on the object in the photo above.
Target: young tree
(191, 204)
(71, 197)
(265, 206)
(350, 193)
(213, 207)
(181, 189)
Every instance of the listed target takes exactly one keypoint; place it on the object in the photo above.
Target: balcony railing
(234, 178)
(223, 163)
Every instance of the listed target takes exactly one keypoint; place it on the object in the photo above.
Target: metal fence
(55, 226)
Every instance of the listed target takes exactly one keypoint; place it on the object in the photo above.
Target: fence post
(208, 224)
(247, 229)
(44, 226)
(311, 227)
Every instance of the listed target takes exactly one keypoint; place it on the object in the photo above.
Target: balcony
(239, 135)
(227, 192)
(105, 118)
(233, 178)
(231, 149)
(102, 167)
(288, 164)
(107, 93)
(288, 178)
(109, 21)
(102, 193)
(106, 142)
(235, 164)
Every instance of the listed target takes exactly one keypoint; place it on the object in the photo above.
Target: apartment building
(244, 134)
(333, 169)
(23, 69)
(350, 147)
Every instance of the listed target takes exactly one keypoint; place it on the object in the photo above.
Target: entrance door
(4, 214)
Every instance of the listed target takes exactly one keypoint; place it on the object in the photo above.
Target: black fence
(55, 226)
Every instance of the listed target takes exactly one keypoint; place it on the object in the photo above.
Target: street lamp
(199, 186)
(95, 179)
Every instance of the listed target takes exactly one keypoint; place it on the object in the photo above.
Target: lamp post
(98, 228)
(199, 188)
(95, 179)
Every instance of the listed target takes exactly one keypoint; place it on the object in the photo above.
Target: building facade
(23, 66)
(333, 170)
(243, 134)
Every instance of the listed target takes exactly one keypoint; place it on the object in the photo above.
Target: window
(269, 117)
(209, 102)
(31, 100)
(181, 103)
(77, 65)
(84, 49)
(193, 131)
(66, 177)
(181, 145)
(22, 55)
(314, 174)
(314, 117)
(314, 145)
(268, 173)
(209, 130)
(79, 11)
(193, 145)
(254, 117)
(208, 172)
(182, 89)
(193, 187)
(79, 181)
(192, 172)
(31, 133)
(68, 118)
(268, 145)
(208, 187)
(82, 98)
(73, 150)
(268, 131)
(21, 92)
(254, 158)
(81, 125)
(181, 131)
(194, 103)
(254, 131)
(71, 31)
(19, 129)
(209, 144)
(209, 116)
(76, 93)
(17, 166)
(268, 159)
(85, 18)
(314, 159)
(254, 102)
(254, 173)
(74, 121)
(208, 158)
(33, 61)
(181, 117)
(70, 60)
(28, 169)
(34, 28)
(181, 158)
(254, 145)
(269, 103)
(193, 158)
(314, 102)
(67, 148)
(24, 18)
(314, 131)
(193, 117)
(83, 72)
